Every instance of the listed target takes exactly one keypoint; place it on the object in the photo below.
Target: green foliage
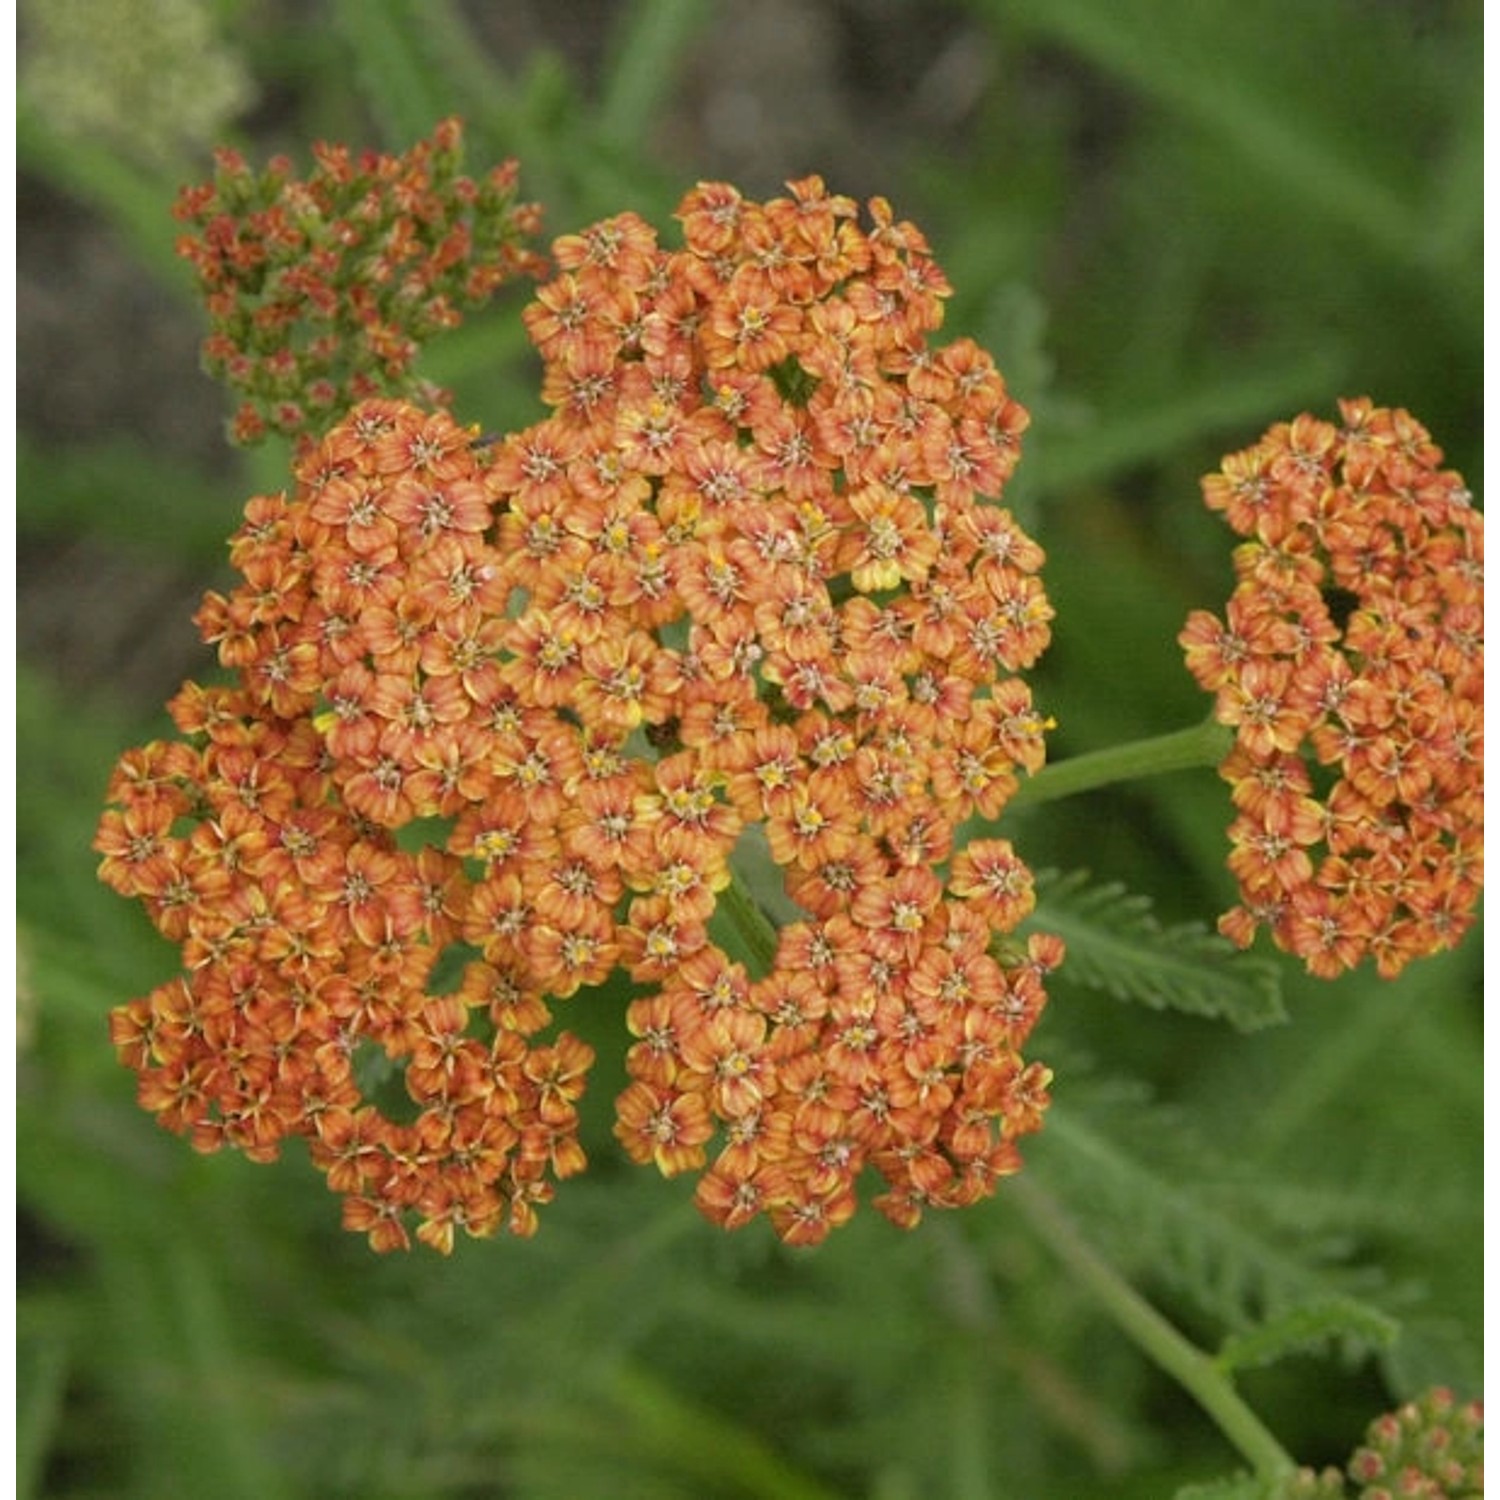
(155, 502)
(1172, 224)
(1303, 1485)
(1116, 945)
(1310, 1325)
(1224, 70)
(582, 158)
(44, 1358)
(1237, 1487)
(1141, 1180)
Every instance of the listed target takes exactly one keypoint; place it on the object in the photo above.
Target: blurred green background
(1173, 225)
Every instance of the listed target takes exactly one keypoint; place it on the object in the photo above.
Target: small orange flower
(663, 1126)
(992, 878)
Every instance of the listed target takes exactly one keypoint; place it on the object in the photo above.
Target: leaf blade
(1308, 1326)
(1116, 945)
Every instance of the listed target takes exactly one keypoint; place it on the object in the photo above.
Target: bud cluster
(1429, 1449)
(320, 292)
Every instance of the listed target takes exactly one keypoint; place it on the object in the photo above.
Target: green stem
(752, 925)
(1187, 1364)
(646, 63)
(1202, 744)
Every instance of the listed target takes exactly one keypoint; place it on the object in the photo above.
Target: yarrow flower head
(509, 715)
(1349, 662)
(321, 291)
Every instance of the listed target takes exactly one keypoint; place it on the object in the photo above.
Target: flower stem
(753, 927)
(1202, 744)
(1187, 1364)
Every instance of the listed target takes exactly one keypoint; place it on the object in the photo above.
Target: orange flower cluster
(321, 292)
(513, 712)
(1350, 663)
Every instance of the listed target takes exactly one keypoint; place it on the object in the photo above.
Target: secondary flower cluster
(1350, 663)
(1430, 1449)
(321, 292)
(508, 713)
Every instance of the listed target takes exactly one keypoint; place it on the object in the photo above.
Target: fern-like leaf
(1116, 945)
(1354, 1326)
(1137, 1176)
(1390, 1200)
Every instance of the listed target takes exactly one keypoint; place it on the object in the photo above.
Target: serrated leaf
(1115, 944)
(1163, 1197)
(1355, 1326)
(1388, 1199)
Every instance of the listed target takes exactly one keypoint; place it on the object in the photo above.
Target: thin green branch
(754, 928)
(1195, 1371)
(652, 40)
(1233, 399)
(1203, 744)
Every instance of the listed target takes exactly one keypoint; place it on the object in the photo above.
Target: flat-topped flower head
(508, 716)
(1349, 663)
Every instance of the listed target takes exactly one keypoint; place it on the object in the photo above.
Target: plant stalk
(1187, 1364)
(1202, 744)
(754, 928)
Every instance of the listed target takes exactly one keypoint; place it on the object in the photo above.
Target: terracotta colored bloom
(1350, 665)
(507, 716)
